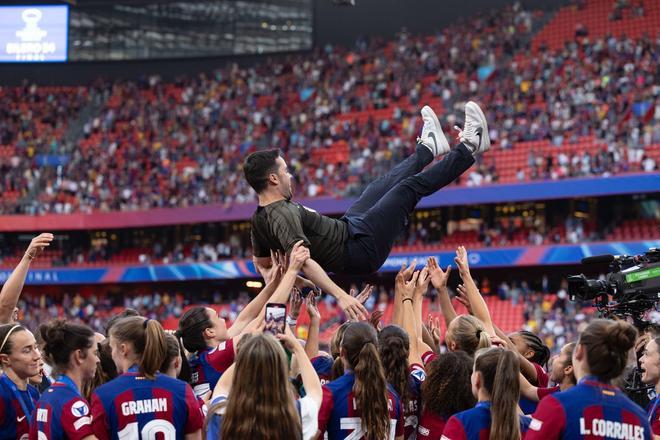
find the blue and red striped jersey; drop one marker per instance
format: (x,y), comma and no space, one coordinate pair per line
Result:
(132,406)
(474,424)
(14,421)
(340,417)
(589,410)
(61,413)
(207,366)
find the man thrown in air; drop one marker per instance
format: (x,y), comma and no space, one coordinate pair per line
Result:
(360,241)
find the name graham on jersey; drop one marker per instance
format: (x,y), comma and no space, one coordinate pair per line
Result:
(144,406)
(610,429)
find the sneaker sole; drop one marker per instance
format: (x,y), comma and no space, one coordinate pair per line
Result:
(442,143)
(486,139)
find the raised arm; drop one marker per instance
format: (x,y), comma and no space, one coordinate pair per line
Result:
(254,307)
(526,367)
(407,289)
(479,307)
(223,387)
(351,306)
(310,379)
(404,274)
(418,301)
(439,282)
(312,345)
(13,287)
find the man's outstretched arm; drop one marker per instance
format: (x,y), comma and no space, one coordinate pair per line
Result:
(351,306)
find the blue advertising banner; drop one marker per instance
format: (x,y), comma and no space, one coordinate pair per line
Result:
(240,269)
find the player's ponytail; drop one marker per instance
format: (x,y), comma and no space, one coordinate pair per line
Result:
(191,329)
(359,345)
(541,351)
(499,371)
(469,334)
(394,346)
(148,339)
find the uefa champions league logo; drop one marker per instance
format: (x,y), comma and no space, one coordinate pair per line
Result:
(36,33)
(31,32)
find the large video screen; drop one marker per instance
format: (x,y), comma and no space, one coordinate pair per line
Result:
(33,33)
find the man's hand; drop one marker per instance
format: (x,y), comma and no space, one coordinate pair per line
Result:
(438,277)
(38,244)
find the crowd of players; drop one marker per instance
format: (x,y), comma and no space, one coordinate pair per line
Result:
(406,379)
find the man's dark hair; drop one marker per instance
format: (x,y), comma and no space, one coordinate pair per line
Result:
(258,166)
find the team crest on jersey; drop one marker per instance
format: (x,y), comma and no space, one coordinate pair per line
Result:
(418,374)
(79,409)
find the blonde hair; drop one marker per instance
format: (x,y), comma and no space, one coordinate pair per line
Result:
(469,334)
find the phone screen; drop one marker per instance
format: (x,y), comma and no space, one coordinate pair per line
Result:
(275,318)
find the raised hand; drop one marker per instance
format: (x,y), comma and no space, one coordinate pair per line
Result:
(438,277)
(461,260)
(462,297)
(311,302)
(295,301)
(422,283)
(364,295)
(375,318)
(433,326)
(38,244)
(353,308)
(409,287)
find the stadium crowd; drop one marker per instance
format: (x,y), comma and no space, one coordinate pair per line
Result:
(407,378)
(154,143)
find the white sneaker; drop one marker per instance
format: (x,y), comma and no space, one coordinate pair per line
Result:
(475,131)
(432,136)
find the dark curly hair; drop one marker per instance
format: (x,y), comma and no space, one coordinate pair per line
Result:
(447,389)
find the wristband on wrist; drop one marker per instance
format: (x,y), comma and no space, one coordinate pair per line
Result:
(406,299)
(291,321)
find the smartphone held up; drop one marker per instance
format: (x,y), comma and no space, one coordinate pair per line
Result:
(275,318)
